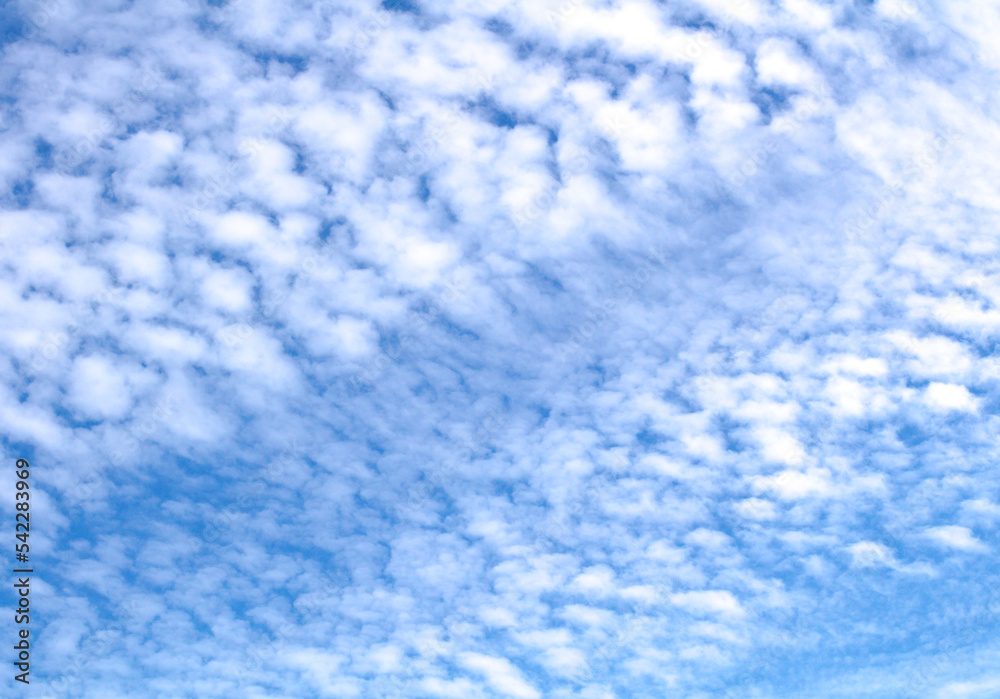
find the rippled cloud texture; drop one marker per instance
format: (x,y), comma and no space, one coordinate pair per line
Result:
(570,348)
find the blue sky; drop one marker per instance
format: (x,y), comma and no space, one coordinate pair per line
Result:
(594,349)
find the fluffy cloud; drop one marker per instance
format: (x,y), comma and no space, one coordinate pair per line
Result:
(504,349)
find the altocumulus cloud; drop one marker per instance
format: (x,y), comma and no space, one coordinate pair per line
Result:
(523,349)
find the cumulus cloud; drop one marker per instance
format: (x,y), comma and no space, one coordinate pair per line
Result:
(955,537)
(502,676)
(715,601)
(504,349)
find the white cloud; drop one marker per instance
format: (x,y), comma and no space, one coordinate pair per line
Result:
(780,447)
(978,688)
(572,347)
(720,602)
(793,485)
(779,62)
(99,388)
(597,580)
(756,509)
(501,675)
(871,554)
(942,397)
(955,537)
